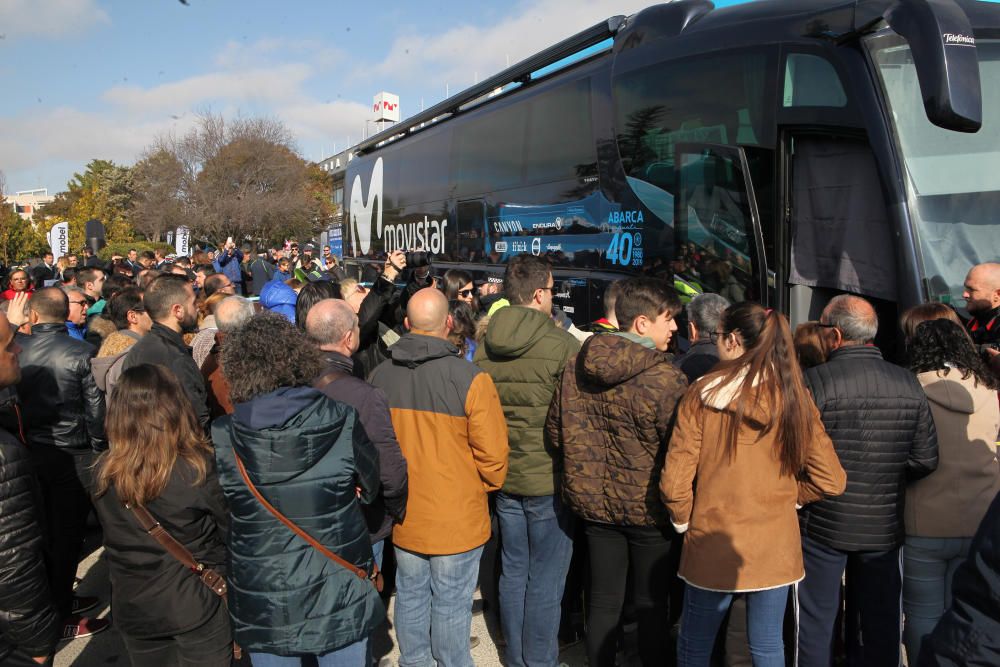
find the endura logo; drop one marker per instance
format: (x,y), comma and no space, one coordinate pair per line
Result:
(365,214)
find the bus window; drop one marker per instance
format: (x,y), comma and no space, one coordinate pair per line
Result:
(471,231)
(720,99)
(489,151)
(560,142)
(811,81)
(715,229)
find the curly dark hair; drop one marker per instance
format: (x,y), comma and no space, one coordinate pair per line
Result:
(267,353)
(936,344)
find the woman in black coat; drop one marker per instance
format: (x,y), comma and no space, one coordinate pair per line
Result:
(160,459)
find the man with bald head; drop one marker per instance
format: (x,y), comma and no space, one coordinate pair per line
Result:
(982,300)
(231,313)
(877,415)
(450,425)
(333,325)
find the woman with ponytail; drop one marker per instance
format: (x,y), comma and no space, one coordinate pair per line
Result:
(747,450)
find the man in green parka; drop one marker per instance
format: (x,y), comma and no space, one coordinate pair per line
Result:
(524,351)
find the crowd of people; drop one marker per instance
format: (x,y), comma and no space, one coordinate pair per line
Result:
(739,492)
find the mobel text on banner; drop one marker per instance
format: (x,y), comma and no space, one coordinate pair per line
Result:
(58,238)
(182,241)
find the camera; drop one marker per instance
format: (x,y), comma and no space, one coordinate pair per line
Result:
(417,258)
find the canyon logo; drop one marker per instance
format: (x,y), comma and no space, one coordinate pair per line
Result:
(366,216)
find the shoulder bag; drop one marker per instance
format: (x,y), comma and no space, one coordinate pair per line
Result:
(375,577)
(215,581)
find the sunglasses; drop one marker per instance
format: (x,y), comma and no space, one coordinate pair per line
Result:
(465,293)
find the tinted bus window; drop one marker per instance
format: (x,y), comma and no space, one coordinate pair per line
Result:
(718,99)
(560,144)
(489,150)
(811,81)
(423,169)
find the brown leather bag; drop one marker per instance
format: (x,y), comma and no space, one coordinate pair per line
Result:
(215,581)
(375,577)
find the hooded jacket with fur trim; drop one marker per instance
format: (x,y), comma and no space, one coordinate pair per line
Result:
(739,513)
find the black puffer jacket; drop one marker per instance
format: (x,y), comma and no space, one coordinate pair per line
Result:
(881,426)
(969,632)
(27,618)
(61,405)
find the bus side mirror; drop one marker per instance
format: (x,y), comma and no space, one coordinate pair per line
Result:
(944,53)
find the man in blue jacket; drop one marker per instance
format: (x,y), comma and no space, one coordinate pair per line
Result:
(228,261)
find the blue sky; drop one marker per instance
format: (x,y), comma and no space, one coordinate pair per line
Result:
(90,79)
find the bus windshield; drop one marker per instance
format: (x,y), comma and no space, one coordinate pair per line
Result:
(953,178)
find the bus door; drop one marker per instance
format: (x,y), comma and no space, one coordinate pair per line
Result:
(717,227)
(838,225)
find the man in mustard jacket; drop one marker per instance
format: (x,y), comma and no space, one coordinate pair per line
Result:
(451,429)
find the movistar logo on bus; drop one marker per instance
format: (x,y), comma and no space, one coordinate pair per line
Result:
(366,215)
(959,40)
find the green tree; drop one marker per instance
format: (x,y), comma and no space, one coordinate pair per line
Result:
(19,239)
(104,191)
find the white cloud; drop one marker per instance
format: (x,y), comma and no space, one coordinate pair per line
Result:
(30,141)
(49,18)
(286,78)
(461,54)
(263,85)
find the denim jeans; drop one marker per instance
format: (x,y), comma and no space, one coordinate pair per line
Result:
(536,549)
(703,614)
(352,655)
(928,566)
(434,607)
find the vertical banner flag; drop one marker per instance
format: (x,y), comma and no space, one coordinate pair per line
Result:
(182,241)
(59,239)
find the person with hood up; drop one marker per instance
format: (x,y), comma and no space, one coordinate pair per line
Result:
(747,449)
(611,416)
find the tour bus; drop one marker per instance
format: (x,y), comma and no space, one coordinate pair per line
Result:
(782,151)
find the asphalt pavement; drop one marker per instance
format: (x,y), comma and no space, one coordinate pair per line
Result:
(106,648)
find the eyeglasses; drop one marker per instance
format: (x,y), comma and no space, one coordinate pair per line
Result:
(549,289)
(466,293)
(77,303)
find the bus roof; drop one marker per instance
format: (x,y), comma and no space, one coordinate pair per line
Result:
(776,20)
